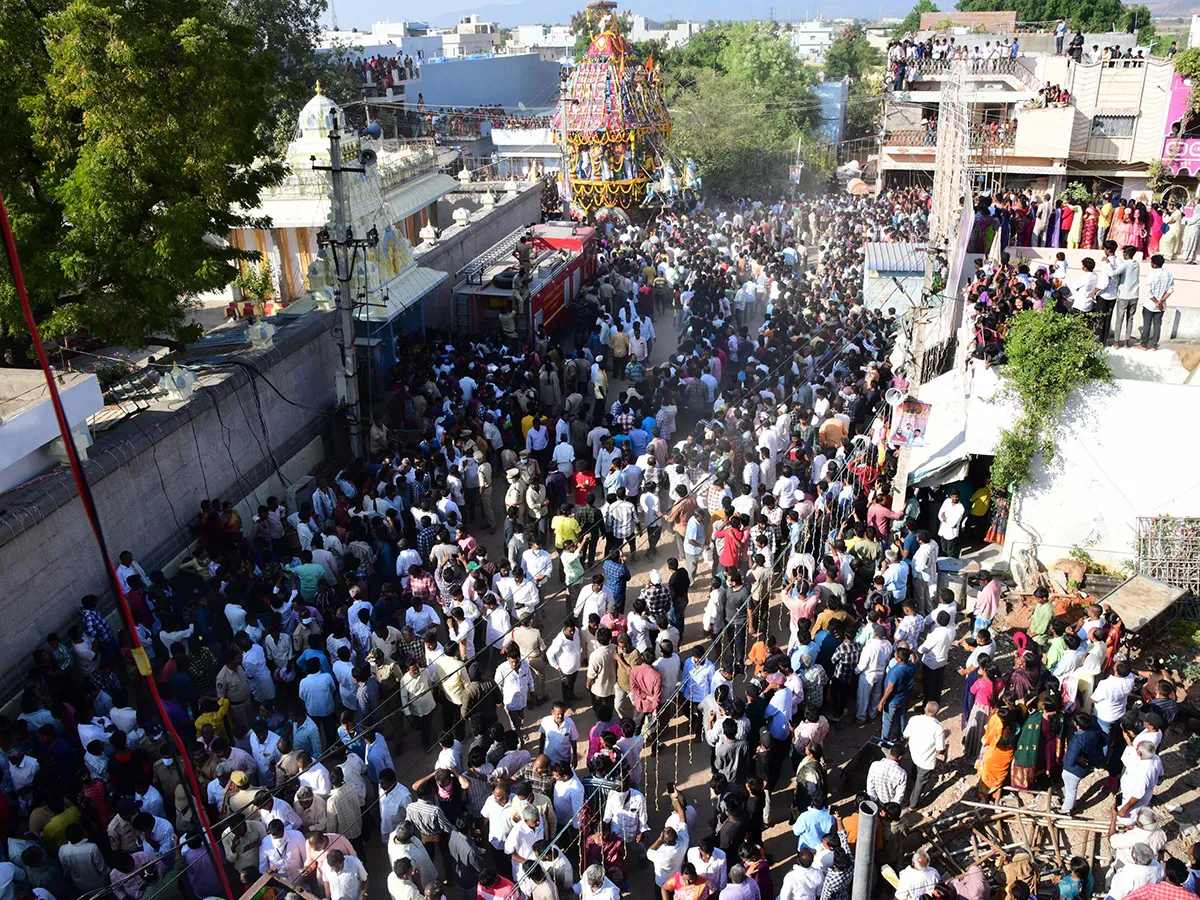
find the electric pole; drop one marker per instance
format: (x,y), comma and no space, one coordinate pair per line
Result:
(564,164)
(345,249)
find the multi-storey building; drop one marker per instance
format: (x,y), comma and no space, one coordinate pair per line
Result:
(1113,123)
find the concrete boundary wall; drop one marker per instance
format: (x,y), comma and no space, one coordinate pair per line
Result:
(148,476)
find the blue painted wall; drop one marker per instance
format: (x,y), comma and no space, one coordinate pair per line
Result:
(507,80)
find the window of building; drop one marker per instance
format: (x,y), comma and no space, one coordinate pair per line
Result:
(1112,126)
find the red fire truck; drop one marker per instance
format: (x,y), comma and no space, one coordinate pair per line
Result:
(563,259)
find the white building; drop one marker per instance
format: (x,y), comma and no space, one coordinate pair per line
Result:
(525,152)
(812,39)
(676,36)
(554,42)
(471,37)
(30,443)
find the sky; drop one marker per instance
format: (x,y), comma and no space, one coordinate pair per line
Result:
(363,13)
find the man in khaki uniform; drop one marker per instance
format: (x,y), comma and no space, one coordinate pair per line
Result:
(485,491)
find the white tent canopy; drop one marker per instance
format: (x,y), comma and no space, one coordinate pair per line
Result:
(965,421)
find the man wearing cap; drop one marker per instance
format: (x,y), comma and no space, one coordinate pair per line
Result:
(514,496)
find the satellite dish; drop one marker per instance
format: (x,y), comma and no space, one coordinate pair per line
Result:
(893,397)
(368,157)
(373,131)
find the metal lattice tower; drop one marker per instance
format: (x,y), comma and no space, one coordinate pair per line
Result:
(951,182)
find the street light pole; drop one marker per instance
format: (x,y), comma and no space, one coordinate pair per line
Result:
(345,250)
(564,155)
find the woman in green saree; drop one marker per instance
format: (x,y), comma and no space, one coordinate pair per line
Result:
(1028,752)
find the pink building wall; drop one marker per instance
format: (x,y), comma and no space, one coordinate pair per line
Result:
(1179,154)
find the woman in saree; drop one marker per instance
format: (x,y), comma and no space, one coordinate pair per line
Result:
(1139,231)
(810,781)
(1076,231)
(1027,674)
(999,746)
(1173,223)
(1091,221)
(1120,226)
(986,684)
(1154,232)
(1054,733)
(1028,751)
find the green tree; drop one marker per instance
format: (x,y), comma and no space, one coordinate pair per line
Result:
(286,33)
(1086,15)
(133,134)
(912,22)
(1050,354)
(851,54)
(740,98)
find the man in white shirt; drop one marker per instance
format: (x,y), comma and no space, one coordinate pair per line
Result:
(1085,287)
(558,735)
(564,456)
(918,878)
(951,517)
(345,877)
(926,744)
(282,852)
(935,654)
(626,812)
(595,885)
(566,655)
(1110,698)
(568,794)
(872,663)
(924,572)
(515,681)
(785,488)
(804,881)
(393,803)
(667,854)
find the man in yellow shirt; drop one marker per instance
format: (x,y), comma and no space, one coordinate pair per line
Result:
(620,350)
(565,527)
(214,713)
(1104,222)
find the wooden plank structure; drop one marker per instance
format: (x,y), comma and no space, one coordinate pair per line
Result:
(974,832)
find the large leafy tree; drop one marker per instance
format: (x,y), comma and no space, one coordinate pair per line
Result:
(740,97)
(133,135)
(850,54)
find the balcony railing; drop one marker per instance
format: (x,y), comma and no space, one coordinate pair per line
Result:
(916,69)
(982,138)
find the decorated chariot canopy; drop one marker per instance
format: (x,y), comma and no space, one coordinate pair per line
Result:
(616,125)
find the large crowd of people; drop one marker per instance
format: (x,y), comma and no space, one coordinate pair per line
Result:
(413,654)
(1032,218)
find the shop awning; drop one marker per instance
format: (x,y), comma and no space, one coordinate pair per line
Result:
(419,194)
(403,291)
